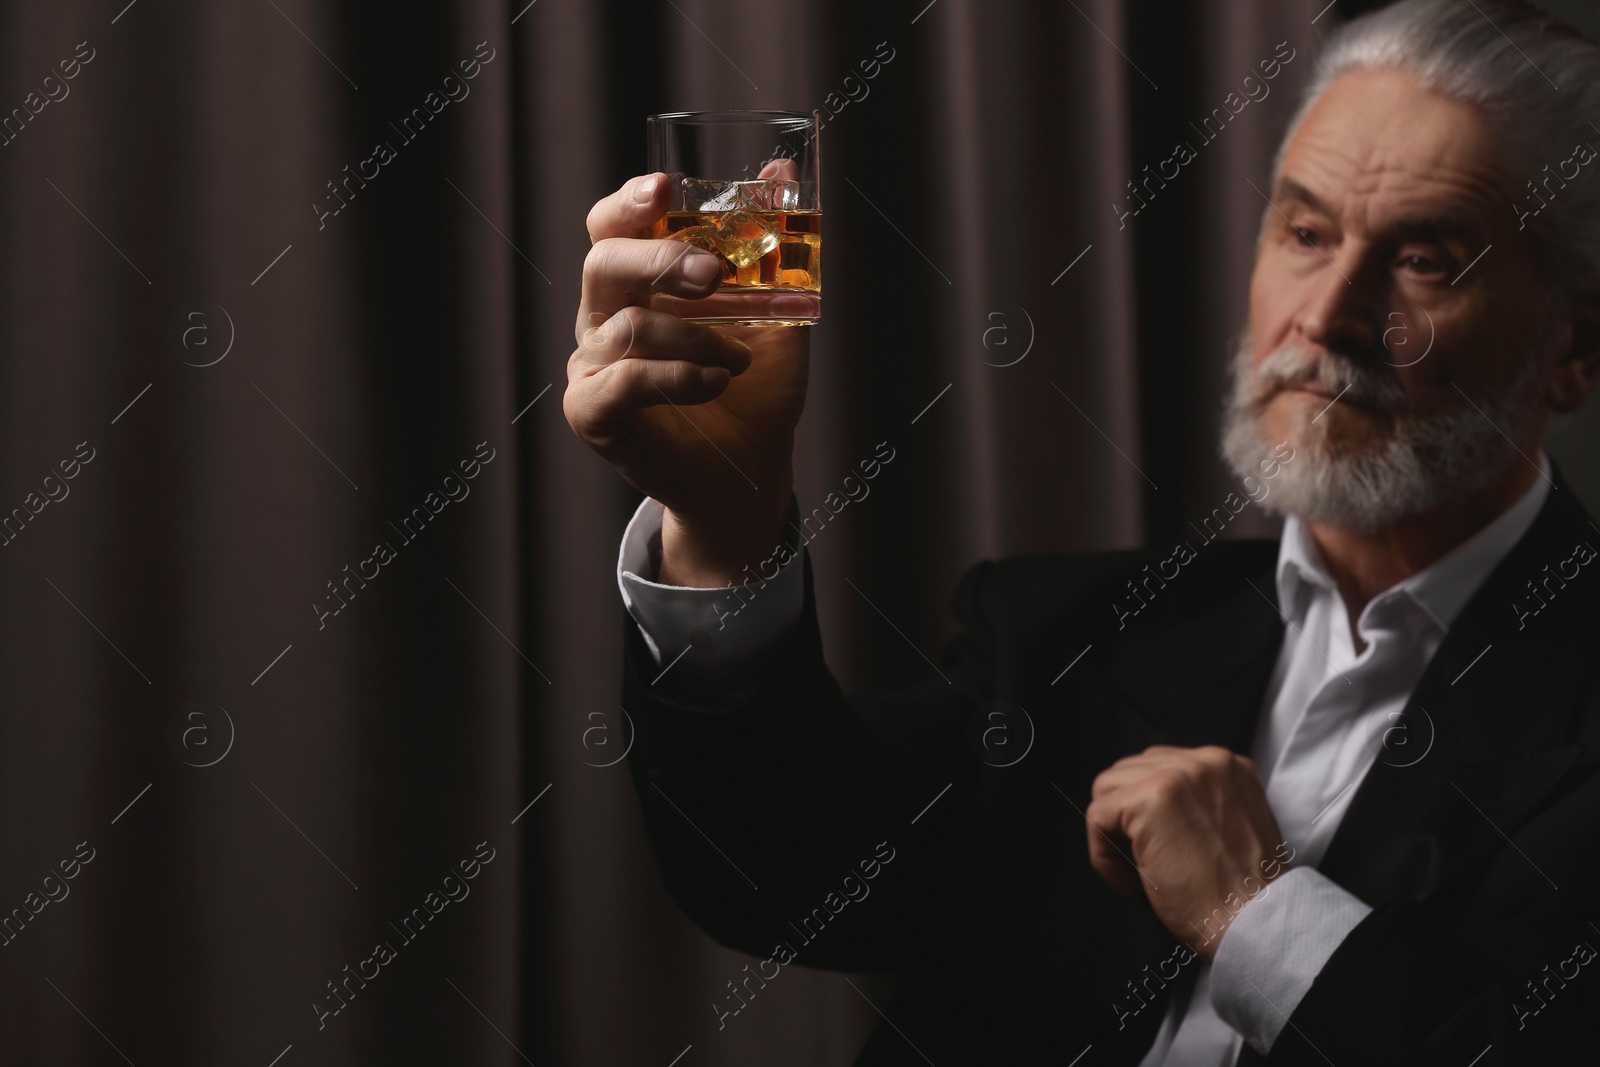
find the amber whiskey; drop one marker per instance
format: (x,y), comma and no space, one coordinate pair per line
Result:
(758,249)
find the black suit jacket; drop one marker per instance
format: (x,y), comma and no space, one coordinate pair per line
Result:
(1475,836)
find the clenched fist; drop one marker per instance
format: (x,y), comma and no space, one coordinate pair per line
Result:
(1192,828)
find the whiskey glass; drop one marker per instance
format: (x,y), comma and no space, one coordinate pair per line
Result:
(745,187)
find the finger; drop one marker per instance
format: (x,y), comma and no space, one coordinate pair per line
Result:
(1172,756)
(783,170)
(629,211)
(601,407)
(1109,850)
(1118,873)
(620,271)
(1131,769)
(639,333)
(1117,777)
(1219,756)
(1155,755)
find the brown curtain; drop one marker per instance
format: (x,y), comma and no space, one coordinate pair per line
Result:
(286,656)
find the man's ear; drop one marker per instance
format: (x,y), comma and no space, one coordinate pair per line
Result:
(1576,372)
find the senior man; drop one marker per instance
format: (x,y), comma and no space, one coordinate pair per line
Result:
(1328,799)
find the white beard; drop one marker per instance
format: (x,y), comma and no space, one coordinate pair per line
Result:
(1421,464)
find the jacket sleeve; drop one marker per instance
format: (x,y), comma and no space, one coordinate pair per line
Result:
(1410,985)
(800,808)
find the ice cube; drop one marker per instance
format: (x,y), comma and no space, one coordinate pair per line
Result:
(699,236)
(740,237)
(718,196)
(745,236)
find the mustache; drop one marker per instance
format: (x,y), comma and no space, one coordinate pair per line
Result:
(1298,363)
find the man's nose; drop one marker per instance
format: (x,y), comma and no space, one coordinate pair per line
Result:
(1341,307)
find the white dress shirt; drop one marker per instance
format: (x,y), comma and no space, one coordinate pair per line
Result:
(1329,713)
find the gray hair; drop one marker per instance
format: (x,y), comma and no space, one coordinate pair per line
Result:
(1535,79)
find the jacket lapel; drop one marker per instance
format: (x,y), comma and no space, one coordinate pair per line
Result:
(1484,729)
(1200,680)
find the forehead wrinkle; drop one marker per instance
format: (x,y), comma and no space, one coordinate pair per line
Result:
(1370,187)
(1374,154)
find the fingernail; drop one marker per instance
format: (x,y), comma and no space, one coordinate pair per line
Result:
(645,190)
(701,268)
(592,338)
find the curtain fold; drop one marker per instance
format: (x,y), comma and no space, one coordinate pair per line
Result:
(278,740)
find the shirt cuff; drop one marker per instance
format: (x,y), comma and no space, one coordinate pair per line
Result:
(1275,948)
(711,638)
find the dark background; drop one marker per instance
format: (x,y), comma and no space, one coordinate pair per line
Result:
(478,673)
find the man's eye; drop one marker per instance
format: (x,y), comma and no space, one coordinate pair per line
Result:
(1419,264)
(1305,236)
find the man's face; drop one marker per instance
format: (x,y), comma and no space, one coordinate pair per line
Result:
(1362,287)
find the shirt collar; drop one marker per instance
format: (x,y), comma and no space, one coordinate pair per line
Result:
(1442,588)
